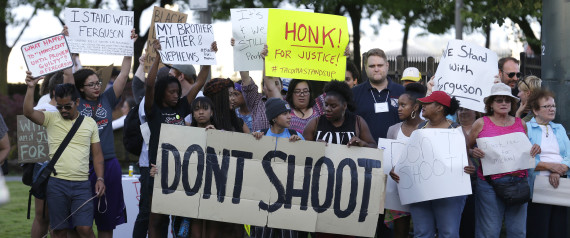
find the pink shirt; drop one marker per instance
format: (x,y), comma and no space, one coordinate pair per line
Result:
(491,130)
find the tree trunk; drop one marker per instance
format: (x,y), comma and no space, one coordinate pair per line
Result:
(4,51)
(355,13)
(407,25)
(487,29)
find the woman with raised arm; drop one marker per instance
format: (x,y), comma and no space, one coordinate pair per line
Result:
(163,104)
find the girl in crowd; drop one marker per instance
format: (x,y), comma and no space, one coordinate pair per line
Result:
(99,105)
(528,86)
(218,90)
(164,105)
(545,220)
(279,114)
(443,214)
(339,125)
(500,108)
(305,107)
(409,111)
(238,104)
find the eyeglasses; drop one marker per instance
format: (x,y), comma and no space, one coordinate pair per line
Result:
(301,93)
(502,100)
(93,85)
(512,74)
(66,107)
(548,107)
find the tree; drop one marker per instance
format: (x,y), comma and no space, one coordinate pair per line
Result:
(8,18)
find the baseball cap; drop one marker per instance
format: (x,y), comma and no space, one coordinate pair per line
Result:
(411,74)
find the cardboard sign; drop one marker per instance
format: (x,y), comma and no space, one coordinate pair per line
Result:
(505,153)
(392,152)
(98,31)
(32,141)
(306,45)
(466,71)
(232,177)
(185,43)
(545,193)
(431,166)
(160,14)
(47,55)
(249,29)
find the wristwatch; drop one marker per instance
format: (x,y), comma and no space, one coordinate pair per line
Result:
(101,179)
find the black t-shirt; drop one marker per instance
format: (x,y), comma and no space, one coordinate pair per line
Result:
(337,135)
(168,115)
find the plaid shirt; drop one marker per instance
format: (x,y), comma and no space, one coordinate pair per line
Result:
(256,106)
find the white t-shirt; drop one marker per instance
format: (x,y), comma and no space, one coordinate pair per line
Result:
(46,106)
(44,99)
(550,151)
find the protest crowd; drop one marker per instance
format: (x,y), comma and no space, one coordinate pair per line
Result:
(85,177)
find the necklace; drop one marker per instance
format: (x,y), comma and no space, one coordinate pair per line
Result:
(545,126)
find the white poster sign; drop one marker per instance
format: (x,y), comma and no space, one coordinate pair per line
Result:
(392,152)
(249,29)
(466,71)
(302,185)
(47,55)
(432,166)
(545,193)
(98,31)
(185,43)
(505,153)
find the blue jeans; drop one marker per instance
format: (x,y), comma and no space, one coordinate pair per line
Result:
(490,211)
(442,214)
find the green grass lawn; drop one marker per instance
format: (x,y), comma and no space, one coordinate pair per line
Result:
(13,222)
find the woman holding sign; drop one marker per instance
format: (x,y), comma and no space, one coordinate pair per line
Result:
(99,104)
(546,220)
(443,215)
(409,112)
(500,108)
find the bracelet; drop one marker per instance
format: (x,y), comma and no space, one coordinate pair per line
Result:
(101,179)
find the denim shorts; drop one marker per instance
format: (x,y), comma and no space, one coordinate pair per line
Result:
(63,198)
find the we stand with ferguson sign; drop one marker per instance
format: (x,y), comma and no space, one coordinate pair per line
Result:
(232,177)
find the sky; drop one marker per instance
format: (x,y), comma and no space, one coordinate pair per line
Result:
(388,38)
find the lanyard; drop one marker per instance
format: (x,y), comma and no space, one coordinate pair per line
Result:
(373,97)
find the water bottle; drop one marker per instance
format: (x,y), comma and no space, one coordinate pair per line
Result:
(130,171)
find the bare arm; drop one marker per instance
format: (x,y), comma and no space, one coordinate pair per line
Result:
(149,86)
(309,131)
(121,80)
(365,139)
(4,148)
(99,167)
(140,70)
(201,79)
(472,139)
(271,83)
(67,73)
(34,115)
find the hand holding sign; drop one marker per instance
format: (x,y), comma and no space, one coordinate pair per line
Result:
(31,81)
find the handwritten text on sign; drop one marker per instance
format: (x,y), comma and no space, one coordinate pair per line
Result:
(185,43)
(47,55)
(313,187)
(431,166)
(160,14)
(306,45)
(505,153)
(392,152)
(467,71)
(32,141)
(98,31)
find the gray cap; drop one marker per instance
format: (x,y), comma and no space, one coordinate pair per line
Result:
(186,69)
(275,106)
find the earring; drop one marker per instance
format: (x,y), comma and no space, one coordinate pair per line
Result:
(413,115)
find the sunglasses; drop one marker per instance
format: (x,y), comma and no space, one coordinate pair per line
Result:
(66,107)
(502,100)
(512,74)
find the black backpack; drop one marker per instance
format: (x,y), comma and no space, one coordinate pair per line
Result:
(132,136)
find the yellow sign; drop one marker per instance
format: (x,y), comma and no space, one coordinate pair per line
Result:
(306,45)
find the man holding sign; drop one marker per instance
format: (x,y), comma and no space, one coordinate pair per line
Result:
(490,210)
